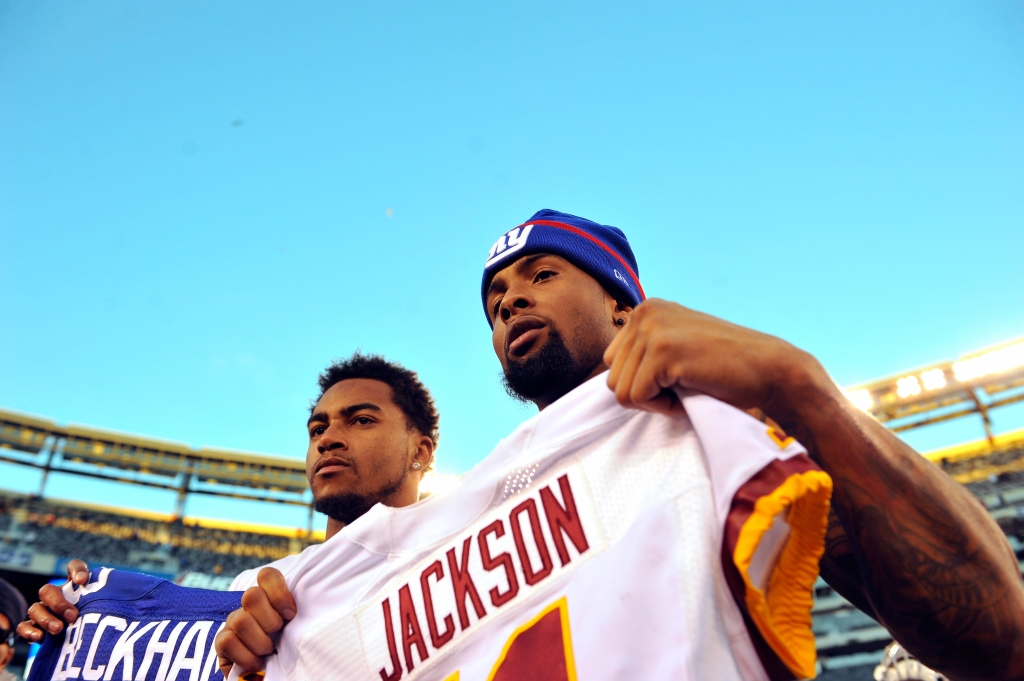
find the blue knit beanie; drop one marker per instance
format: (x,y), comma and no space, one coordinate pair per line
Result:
(599,250)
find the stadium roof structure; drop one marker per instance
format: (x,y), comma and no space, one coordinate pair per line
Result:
(974,384)
(42,443)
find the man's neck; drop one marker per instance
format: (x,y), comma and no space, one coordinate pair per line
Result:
(407,495)
(545,402)
(333,527)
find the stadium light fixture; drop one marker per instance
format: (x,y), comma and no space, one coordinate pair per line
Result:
(992,362)
(933,379)
(908,386)
(861,398)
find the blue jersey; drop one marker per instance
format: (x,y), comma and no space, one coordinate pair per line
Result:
(134,627)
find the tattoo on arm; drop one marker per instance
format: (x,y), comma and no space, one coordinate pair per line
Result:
(917,552)
(839,566)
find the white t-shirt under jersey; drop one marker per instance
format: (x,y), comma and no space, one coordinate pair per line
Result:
(594,542)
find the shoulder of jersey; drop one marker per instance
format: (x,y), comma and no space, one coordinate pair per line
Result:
(137,588)
(118,585)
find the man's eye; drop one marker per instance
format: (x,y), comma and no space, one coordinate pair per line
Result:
(495,306)
(319,430)
(364,420)
(543,274)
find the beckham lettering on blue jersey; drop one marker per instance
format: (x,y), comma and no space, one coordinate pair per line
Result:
(134,627)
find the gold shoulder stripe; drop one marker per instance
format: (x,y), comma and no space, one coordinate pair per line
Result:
(782,613)
(782,443)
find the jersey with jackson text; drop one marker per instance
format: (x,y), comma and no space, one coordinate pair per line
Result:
(595,542)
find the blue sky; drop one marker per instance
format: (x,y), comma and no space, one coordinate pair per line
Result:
(194,197)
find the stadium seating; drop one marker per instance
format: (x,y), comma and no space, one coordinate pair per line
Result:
(151,543)
(849,642)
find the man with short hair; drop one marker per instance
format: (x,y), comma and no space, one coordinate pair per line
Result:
(372,434)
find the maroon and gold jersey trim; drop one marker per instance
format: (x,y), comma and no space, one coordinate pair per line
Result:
(797,491)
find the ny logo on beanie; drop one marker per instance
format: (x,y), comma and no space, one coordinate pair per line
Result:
(512,241)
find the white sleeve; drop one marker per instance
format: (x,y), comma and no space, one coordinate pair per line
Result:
(245,579)
(772,503)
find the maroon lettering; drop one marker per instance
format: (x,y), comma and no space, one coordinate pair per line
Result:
(412,634)
(565,519)
(389,631)
(428,605)
(532,577)
(497,528)
(462,584)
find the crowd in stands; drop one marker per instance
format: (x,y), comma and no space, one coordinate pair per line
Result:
(101,537)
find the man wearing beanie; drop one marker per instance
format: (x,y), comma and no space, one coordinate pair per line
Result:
(12,611)
(905,543)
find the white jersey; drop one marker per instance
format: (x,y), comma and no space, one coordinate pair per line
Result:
(595,542)
(247,578)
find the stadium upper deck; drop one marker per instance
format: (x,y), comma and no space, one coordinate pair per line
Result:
(79,450)
(977,383)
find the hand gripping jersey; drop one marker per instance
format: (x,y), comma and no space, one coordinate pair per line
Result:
(595,542)
(136,627)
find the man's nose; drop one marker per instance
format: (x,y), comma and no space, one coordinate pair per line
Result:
(514,303)
(331,440)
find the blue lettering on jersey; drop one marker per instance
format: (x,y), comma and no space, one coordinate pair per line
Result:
(134,627)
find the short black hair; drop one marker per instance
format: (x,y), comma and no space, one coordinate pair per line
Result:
(407,391)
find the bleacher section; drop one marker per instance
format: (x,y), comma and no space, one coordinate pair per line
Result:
(849,642)
(40,535)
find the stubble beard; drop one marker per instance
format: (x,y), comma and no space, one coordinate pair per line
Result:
(347,507)
(546,376)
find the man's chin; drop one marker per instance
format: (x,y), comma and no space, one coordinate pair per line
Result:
(330,487)
(545,373)
(532,350)
(345,507)
(519,360)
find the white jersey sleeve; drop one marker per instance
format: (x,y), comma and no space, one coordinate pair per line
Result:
(772,502)
(247,578)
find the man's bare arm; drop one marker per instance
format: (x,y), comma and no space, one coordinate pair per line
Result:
(912,547)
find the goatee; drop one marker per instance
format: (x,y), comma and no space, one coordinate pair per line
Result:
(547,375)
(347,507)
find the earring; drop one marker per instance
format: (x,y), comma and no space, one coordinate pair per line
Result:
(415,465)
(620,322)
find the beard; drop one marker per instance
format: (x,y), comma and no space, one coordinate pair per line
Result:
(346,507)
(546,376)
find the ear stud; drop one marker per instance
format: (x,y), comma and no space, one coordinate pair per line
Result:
(415,465)
(620,322)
